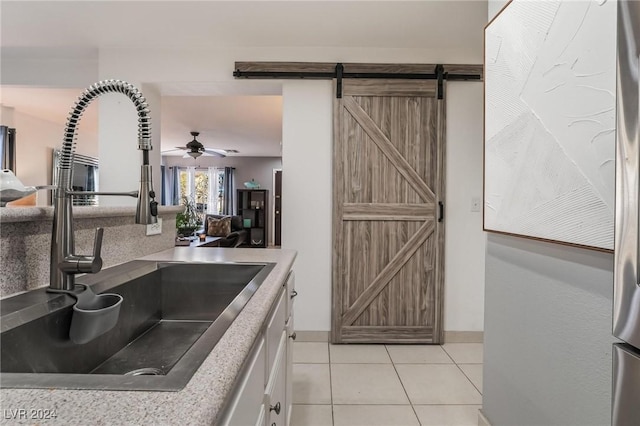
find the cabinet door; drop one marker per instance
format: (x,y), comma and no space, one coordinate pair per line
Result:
(262,417)
(246,405)
(289,372)
(275,328)
(276,388)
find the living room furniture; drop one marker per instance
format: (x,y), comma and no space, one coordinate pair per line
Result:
(236,237)
(253,207)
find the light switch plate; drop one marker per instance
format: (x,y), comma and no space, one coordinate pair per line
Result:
(155,228)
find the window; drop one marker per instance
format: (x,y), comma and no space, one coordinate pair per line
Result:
(204,186)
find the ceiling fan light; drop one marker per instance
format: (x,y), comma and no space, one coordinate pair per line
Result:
(194,154)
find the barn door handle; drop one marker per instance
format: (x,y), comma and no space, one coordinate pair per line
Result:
(441,211)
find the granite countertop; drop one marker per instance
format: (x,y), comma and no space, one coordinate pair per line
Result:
(26,214)
(202,398)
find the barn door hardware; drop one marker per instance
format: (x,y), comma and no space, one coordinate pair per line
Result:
(440,75)
(340,71)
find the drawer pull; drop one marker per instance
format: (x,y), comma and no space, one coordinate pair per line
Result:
(294,294)
(275,408)
(293,336)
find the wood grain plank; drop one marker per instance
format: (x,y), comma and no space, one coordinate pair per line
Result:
(388,211)
(438,303)
(389,150)
(337,224)
(388,87)
(387,273)
(286,66)
(395,334)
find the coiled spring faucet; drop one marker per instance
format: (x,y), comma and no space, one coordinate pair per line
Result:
(64,263)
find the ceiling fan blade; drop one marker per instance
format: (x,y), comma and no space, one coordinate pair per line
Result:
(215,152)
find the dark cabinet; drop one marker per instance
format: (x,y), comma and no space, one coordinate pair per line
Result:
(253,206)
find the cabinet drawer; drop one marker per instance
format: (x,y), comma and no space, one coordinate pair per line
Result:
(245,405)
(274,329)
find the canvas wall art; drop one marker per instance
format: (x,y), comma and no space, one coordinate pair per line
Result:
(550,121)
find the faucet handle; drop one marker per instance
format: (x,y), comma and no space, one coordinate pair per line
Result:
(92,264)
(75,264)
(97,248)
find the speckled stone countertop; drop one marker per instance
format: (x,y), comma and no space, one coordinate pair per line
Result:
(200,402)
(27,214)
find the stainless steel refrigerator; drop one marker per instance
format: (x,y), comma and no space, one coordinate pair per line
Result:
(626,303)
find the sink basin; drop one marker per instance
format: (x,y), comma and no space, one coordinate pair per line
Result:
(172,316)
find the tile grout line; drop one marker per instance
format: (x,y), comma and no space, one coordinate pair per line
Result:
(469,379)
(333,420)
(462,371)
(402,384)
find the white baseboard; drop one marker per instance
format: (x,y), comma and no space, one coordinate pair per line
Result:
(449,336)
(482,419)
(463,336)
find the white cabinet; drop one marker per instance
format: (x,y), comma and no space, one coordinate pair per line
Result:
(291,336)
(245,407)
(263,392)
(275,393)
(278,393)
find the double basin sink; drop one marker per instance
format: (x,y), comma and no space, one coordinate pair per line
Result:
(171,317)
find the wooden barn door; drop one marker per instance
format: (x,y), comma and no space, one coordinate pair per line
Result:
(388,245)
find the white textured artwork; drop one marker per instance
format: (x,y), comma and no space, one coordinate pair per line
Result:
(550,121)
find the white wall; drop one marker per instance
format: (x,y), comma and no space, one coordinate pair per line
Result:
(49,66)
(120,159)
(36,139)
(307,133)
(464,238)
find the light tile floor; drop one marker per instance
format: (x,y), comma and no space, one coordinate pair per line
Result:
(386,385)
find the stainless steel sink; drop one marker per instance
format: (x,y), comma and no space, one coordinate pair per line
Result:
(172,316)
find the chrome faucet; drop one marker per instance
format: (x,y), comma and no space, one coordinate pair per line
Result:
(64,263)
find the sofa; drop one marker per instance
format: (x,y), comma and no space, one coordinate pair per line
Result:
(237,235)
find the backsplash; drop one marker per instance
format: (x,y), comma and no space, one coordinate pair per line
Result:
(25,239)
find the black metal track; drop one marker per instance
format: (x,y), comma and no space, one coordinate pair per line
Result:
(339,75)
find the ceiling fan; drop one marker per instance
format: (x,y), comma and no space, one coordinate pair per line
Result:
(195,149)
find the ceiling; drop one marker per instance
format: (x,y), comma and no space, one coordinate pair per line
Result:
(251,124)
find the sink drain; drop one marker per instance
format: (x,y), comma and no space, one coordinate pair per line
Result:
(150,371)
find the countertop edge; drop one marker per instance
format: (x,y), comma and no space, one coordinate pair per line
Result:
(28,214)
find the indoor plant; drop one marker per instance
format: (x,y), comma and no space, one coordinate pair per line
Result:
(188,221)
